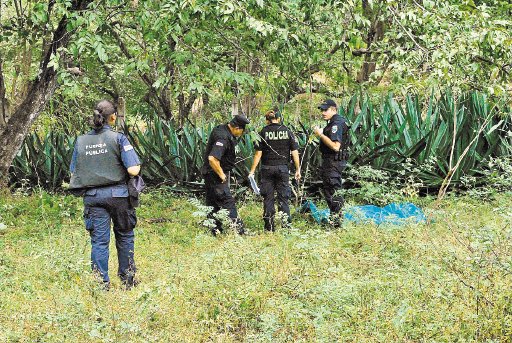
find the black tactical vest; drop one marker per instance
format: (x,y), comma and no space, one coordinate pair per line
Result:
(275,145)
(328,153)
(98,161)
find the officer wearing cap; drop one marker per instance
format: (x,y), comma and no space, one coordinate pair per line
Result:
(333,140)
(102,162)
(219,160)
(275,144)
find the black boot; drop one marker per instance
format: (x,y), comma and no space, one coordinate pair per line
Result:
(269,224)
(217,229)
(239,226)
(336,220)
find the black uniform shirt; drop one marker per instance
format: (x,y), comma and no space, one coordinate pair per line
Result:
(276,142)
(333,130)
(221,145)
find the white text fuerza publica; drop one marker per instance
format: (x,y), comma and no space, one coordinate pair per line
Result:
(99,149)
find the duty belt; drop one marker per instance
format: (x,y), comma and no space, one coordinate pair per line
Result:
(338,156)
(332,157)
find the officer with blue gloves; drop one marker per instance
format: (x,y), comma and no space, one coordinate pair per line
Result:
(102,162)
(333,146)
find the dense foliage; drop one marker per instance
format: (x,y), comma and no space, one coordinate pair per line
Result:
(190,61)
(232,55)
(411,140)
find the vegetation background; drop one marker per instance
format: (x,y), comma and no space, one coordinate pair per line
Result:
(196,61)
(426,86)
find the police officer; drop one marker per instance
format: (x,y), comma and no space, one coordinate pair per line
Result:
(219,160)
(275,143)
(333,148)
(101,164)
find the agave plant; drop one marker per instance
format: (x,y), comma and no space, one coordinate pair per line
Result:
(168,153)
(387,136)
(43,161)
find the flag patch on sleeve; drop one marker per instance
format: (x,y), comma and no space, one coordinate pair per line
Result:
(128,147)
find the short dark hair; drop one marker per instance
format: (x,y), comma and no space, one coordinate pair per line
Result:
(273,114)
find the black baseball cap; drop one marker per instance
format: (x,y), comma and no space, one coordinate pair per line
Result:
(326,104)
(239,121)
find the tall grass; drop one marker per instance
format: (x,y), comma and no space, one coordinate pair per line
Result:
(446,281)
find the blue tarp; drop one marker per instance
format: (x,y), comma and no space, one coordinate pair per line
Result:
(394,213)
(321,216)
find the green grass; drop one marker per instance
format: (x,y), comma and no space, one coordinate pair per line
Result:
(449,280)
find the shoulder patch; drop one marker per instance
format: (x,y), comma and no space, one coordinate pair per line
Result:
(128,147)
(219,144)
(334,128)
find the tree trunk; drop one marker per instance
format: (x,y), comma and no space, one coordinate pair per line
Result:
(40,91)
(13,134)
(375,34)
(185,107)
(121,113)
(4,109)
(26,63)
(250,101)
(234,89)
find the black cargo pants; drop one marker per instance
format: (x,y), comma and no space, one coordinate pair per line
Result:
(219,197)
(331,182)
(275,179)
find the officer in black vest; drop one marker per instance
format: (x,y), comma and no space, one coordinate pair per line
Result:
(275,143)
(333,157)
(101,164)
(219,160)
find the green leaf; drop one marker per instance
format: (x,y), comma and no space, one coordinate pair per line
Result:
(495,127)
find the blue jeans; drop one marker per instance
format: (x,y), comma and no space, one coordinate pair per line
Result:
(101,206)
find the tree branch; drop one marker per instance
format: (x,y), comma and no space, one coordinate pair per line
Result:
(41,90)
(503,67)
(405,30)
(162,98)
